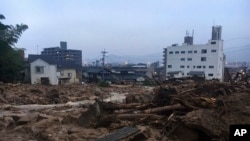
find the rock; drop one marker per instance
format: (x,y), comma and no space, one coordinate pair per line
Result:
(9,122)
(25,119)
(98,92)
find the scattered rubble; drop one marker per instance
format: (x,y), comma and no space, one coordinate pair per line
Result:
(174,112)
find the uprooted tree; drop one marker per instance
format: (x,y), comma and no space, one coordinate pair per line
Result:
(11,62)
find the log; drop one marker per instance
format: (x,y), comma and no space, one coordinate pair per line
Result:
(136,116)
(185,104)
(164,108)
(113,106)
(39,107)
(187,91)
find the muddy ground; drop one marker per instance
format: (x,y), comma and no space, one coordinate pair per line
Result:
(175,112)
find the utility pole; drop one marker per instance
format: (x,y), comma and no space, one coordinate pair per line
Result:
(103,61)
(37,49)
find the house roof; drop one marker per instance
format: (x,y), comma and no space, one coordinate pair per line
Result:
(68,64)
(47,58)
(51,60)
(94,69)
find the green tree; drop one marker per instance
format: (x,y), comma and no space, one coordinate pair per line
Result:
(11,62)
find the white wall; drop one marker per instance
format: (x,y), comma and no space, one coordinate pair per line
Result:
(71,79)
(50,71)
(212,59)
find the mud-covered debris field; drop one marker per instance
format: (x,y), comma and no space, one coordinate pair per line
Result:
(173,112)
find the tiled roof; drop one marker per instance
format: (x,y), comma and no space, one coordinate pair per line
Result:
(51,60)
(47,58)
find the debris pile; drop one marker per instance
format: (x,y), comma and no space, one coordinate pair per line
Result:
(205,111)
(174,112)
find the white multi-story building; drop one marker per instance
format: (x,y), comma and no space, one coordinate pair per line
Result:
(205,60)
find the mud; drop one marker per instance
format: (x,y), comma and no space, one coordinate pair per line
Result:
(174,112)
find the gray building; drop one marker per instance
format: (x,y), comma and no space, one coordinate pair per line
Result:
(63,54)
(114,74)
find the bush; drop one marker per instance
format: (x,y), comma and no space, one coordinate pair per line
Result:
(103,84)
(149,83)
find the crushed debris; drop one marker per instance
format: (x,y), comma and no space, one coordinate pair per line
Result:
(174,112)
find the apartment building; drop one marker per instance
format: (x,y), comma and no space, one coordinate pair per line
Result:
(63,54)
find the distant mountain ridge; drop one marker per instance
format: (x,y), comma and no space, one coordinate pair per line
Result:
(237,55)
(135,59)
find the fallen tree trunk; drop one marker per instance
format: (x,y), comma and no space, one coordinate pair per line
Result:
(187,91)
(39,107)
(136,116)
(185,104)
(164,108)
(113,106)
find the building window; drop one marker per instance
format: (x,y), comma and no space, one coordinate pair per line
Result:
(210,74)
(187,66)
(182,66)
(182,52)
(195,51)
(187,73)
(213,50)
(182,59)
(190,51)
(39,69)
(203,51)
(193,66)
(198,67)
(211,67)
(170,52)
(204,67)
(189,59)
(203,58)
(176,52)
(62,72)
(69,74)
(213,43)
(169,66)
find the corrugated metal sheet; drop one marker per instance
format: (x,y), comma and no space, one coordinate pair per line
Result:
(120,134)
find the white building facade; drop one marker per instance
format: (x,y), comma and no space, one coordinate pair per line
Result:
(40,69)
(206,60)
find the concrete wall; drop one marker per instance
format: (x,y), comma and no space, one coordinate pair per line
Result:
(50,71)
(180,62)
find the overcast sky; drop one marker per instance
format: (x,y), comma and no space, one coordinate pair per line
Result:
(127,27)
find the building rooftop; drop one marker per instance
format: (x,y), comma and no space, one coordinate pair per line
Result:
(47,58)
(51,60)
